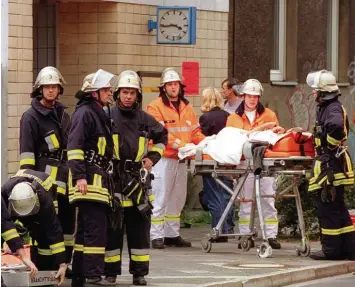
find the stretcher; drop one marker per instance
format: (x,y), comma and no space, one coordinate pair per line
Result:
(293,167)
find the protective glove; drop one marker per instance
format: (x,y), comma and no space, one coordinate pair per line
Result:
(60,276)
(328,193)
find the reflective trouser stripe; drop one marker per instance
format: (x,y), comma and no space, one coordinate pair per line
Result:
(94,250)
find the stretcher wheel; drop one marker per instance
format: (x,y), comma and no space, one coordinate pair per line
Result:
(245,244)
(206,246)
(264,250)
(304,251)
(255,235)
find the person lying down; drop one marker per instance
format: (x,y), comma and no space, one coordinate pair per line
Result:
(226,147)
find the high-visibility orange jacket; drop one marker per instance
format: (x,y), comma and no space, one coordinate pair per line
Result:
(182,125)
(240,120)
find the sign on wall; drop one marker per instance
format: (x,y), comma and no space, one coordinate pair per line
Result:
(191,75)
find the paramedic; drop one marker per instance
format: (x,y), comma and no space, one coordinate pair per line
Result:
(332,170)
(29,198)
(214,119)
(177,115)
(90,151)
(250,115)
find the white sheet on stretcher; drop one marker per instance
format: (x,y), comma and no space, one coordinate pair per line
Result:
(227,146)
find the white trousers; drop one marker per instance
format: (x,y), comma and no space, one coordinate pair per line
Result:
(267,206)
(169,189)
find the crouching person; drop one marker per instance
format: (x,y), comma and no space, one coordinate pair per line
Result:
(29,196)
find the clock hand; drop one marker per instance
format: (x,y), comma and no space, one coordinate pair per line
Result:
(171,25)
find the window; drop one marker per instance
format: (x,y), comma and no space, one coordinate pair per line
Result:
(332,39)
(277,73)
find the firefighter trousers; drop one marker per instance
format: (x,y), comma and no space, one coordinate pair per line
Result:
(90,239)
(267,206)
(337,230)
(66,215)
(137,226)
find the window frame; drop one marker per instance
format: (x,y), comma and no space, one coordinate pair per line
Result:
(279,75)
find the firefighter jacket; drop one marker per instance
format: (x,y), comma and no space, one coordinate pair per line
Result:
(8,229)
(44,227)
(132,131)
(43,141)
(333,164)
(240,120)
(90,151)
(182,124)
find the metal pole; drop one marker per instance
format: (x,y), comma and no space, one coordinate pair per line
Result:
(4,80)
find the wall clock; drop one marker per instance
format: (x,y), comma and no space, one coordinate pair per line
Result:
(175,25)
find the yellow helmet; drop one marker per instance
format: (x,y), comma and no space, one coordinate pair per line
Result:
(170,75)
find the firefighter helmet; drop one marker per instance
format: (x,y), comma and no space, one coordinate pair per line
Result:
(129,79)
(170,75)
(96,81)
(323,81)
(252,87)
(23,201)
(48,76)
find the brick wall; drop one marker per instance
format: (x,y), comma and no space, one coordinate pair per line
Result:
(20,59)
(115,37)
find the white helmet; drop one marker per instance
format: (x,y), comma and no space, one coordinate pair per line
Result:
(170,75)
(252,87)
(323,81)
(48,76)
(129,79)
(23,201)
(96,81)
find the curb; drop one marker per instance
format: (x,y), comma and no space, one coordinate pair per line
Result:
(292,276)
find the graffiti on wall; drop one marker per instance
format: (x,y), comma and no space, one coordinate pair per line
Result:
(351,105)
(302,109)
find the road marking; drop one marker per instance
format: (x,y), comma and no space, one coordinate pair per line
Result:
(195,271)
(262,265)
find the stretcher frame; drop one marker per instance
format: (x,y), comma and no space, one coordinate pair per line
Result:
(295,167)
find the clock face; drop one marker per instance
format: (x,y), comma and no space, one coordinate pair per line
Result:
(173,24)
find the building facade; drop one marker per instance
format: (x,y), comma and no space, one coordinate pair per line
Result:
(275,41)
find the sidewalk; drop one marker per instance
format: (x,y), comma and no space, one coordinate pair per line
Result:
(225,265)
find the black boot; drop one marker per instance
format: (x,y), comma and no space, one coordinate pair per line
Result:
(318,255)
(158,243)
(274,243)
(77,281)
(139,280)
(177,242)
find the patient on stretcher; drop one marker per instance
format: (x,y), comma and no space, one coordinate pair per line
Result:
(227,146)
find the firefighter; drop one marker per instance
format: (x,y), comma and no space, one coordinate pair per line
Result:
(133,129)
(332,170)
(44,131)
(10,235)
(251,114)
(90,151)
(175,113)
(29,197)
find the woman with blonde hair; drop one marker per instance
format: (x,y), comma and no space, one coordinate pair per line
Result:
(214,119)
